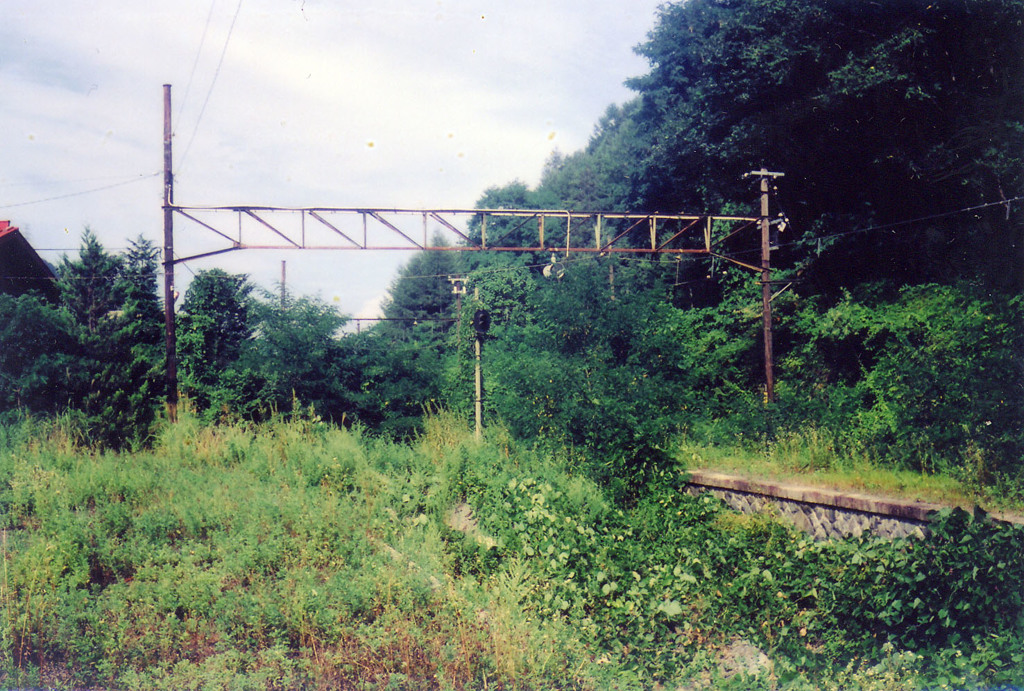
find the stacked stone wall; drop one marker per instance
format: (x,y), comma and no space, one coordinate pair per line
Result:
(824,514)
(821,522)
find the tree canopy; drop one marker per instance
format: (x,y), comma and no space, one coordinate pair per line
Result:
(900,132)
(877,113)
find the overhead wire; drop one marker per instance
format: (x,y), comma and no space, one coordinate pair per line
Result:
(141,177)
(899,224)
(500,269)
(944,214)
(213,83)
(195,63)
(51,183)
(133,179)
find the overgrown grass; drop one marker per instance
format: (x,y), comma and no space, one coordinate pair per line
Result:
(291,555)
(297,555)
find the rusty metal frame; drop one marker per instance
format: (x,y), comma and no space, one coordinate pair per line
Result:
(667,232)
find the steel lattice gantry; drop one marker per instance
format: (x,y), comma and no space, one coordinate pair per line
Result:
(230,228)
(233,228)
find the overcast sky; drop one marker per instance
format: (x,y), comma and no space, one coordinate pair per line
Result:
(386,103)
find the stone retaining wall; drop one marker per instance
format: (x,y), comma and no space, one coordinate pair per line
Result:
(823,513)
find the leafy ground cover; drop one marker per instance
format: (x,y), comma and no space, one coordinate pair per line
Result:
(294,554)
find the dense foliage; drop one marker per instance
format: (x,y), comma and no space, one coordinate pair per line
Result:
(929,377)
(900,336)
(899,344)
(293,554)
(96,352)
(878,113)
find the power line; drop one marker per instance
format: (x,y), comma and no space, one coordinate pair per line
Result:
(887,226)
(402,319)
(899,224)
(76,249)
(195,63)
(52,182)
(213,82)
(137,178)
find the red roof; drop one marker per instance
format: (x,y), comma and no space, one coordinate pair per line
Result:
(21,268)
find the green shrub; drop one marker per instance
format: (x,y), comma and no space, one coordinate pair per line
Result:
(295,554)
(961,583)
(928,380)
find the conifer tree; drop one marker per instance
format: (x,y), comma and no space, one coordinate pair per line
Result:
(112,303)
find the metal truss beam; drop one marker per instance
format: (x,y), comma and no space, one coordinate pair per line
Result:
(557,230)
(462,230)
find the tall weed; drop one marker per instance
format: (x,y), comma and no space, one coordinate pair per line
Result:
(297,555)
(286,555)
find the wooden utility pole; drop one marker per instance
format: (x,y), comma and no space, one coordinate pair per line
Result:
(478,405)
(170,339)
(766,284)
(481,321)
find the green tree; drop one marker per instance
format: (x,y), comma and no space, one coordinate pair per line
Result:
(869,110)
(297,352)
(508,232)
(930,378)
(36,355)
(141,306)
(391,382)
(215,323)
(603,175)
(401,360)
(112,302)
(137,342)
(420,301)
(90,287)
(583,373)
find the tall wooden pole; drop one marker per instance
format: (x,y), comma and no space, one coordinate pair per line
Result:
(170,341)
(766,284)
(478,408)
(766,294)
(478,377)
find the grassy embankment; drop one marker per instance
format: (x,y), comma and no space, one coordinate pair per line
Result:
(297,555)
